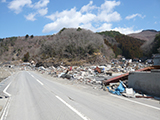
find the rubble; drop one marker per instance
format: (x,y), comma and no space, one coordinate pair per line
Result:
(112,77)
(93,75)
(119,90)
(97,75)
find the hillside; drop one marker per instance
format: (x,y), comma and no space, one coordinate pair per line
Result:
(124,45)
(147,35)
(14,48)
(156,44)
(77,46)
(109,36)
(152,47)
(130,46)
(69,45)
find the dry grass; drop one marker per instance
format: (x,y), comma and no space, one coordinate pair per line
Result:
(75,63)
(5,72)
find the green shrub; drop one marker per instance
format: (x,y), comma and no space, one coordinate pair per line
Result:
(26,57)
(26,36)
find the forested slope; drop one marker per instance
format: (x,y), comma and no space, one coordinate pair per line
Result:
(76,45)
(124,45)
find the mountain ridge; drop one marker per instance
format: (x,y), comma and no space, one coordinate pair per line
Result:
(73,44)
(146,35)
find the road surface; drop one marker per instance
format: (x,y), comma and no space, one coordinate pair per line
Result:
(32,97)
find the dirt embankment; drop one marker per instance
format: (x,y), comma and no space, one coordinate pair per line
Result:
(5,72)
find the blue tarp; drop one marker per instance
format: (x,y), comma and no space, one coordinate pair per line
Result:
(118,90)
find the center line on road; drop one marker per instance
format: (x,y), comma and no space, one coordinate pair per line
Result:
(73,109)
(36,79)
(39,81)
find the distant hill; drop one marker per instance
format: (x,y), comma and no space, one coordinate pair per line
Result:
(68,45)
(110,36)
(156,44)
(77,46)
(14,48)
(152,46)
(111,33)
(124,45)
(147,35)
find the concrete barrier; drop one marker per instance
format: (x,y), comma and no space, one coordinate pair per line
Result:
(146,82)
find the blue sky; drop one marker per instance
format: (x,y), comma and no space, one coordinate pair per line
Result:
(46,17)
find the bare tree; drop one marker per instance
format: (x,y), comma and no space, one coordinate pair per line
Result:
(73,43)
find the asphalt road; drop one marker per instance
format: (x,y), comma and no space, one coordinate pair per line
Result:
(33,97)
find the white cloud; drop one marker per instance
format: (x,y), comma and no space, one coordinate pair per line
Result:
(108,6)
(30,17)
(43,11)
(41,4)
(88,26)
(17,5)
(68,18)
(133,16)
(104,27)
(88,7)
(67,13)
(126,30)
(39,7)
(85,17)
(111,17)
(106,12)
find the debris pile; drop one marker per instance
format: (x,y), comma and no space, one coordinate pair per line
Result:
(93,75)
(98,76)
(87,75)
(101,76)
(121,88)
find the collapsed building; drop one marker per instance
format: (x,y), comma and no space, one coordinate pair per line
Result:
(145,80)
(123,72)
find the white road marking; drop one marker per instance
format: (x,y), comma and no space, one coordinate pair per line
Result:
(6,89)
(5,111)
(136,102)
(36,79)
(73,109)
(39,81)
